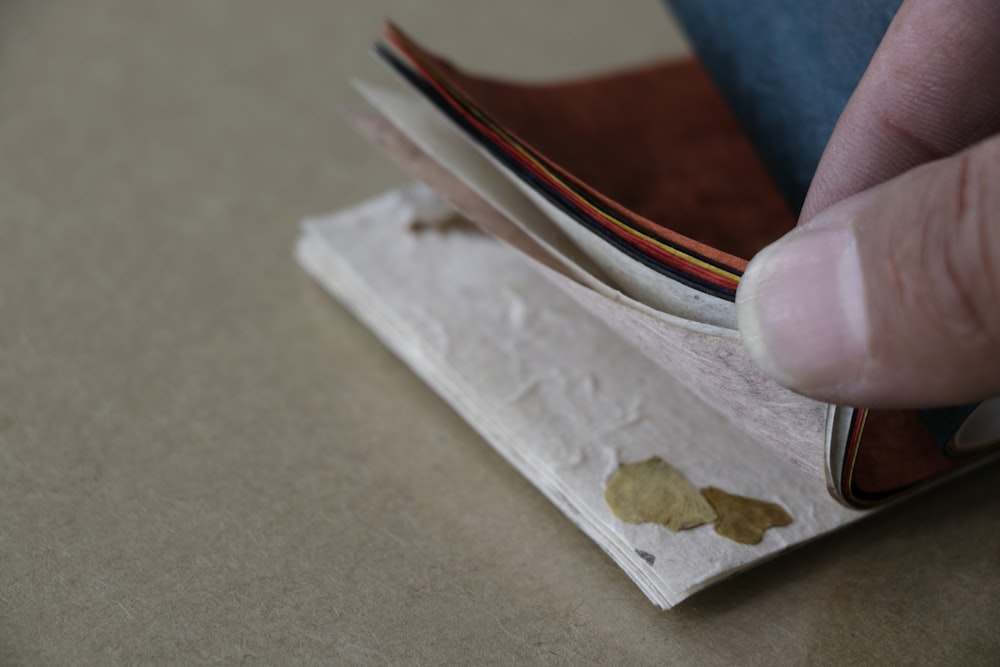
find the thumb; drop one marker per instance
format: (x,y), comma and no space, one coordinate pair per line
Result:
(890,298)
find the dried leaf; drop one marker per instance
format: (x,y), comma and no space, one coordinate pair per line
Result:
(653,491)
(445,225)
(743,519)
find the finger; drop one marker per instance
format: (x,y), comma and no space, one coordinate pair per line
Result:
(932,89)
(890,298)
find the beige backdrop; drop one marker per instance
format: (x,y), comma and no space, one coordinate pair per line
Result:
(203,460)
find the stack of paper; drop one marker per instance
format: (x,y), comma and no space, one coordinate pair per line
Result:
(558,394)
(628,206)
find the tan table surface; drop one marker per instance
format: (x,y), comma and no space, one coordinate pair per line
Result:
(204,460)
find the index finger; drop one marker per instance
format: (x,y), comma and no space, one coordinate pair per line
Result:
(932,89)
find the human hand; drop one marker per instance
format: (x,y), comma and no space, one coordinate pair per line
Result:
(887,294)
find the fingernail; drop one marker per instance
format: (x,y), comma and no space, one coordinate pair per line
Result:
(801,309)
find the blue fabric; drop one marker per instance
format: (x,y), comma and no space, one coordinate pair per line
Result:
(786,68)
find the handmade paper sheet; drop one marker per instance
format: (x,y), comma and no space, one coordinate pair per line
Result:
(560,396)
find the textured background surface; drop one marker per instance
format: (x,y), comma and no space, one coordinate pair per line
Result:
(204,460)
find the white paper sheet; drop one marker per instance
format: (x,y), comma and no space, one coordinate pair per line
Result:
(560,396)
(708,359)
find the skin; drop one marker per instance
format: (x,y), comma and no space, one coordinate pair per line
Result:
(904,212)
